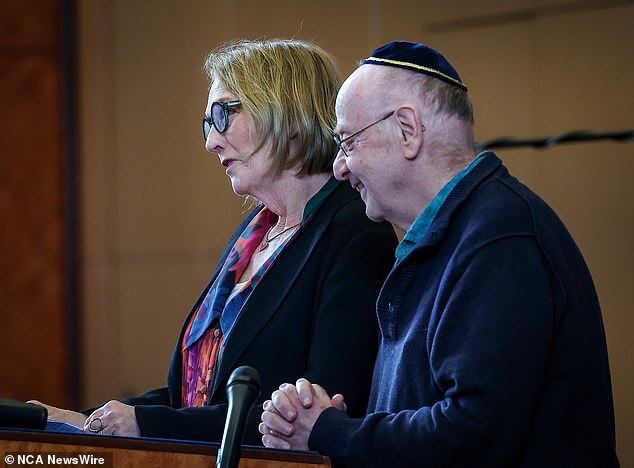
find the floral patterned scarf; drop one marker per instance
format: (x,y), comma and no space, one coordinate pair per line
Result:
(216,315)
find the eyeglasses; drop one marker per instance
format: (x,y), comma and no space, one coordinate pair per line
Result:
(219,117)
(341,143)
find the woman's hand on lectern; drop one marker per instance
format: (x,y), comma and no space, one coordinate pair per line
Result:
(113,418)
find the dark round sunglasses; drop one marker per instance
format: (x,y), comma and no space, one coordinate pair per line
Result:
(219,117)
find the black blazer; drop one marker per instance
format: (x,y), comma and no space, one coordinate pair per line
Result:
(312,315)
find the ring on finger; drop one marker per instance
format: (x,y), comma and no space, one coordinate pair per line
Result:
(96,429)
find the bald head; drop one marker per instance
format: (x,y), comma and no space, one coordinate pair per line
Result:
(401,161)
(356,90)
(445,110)
(374,87)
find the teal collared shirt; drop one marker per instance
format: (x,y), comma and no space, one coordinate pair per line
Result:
(419,228)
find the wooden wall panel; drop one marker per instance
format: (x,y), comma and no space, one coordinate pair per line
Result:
(33,314)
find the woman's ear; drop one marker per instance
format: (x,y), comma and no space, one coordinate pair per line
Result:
(411,130)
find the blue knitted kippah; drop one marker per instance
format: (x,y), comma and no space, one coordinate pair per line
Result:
(416,57)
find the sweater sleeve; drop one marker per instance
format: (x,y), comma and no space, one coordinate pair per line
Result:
(487,346)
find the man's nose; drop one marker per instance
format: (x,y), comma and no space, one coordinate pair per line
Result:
(339,167)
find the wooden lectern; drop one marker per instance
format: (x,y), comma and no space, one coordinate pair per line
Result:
(148,453)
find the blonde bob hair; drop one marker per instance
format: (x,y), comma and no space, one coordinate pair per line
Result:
(288,90)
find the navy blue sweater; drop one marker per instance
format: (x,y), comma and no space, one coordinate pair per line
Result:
(492,346)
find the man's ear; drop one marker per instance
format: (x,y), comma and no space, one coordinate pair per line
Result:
(411,129)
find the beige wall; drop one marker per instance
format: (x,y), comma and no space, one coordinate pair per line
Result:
(157,209)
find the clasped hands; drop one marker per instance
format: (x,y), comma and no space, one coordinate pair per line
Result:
(290,414)
(113,418)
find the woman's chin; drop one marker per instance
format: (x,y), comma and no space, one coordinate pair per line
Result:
(238,188)
(238,191)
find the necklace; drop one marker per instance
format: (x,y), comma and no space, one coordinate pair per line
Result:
(265,242)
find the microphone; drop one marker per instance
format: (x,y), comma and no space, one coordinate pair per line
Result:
(243,388)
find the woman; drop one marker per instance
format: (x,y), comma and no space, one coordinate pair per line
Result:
(293,294)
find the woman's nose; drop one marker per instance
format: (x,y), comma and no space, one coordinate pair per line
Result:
(214,141)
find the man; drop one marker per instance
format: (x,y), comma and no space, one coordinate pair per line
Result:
(492,344)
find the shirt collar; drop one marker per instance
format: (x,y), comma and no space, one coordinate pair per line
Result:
(320,196)
(421,225)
